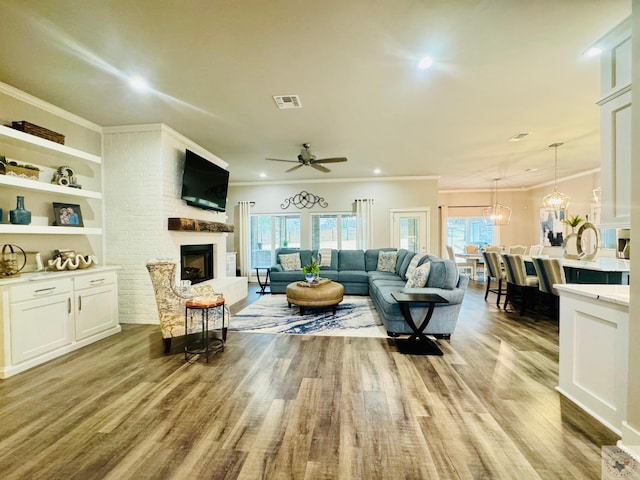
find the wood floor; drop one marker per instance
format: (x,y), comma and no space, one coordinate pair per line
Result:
(304,407)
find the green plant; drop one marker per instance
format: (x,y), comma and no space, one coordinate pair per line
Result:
(573,221)
(312,268)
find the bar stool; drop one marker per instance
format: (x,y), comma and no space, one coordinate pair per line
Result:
(206,344)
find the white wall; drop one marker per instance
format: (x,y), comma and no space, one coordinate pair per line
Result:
(340,196)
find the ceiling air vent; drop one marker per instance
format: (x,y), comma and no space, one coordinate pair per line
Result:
(287,101)
(519,136)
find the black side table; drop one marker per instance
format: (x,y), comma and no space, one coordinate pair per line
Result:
(263,283)
(418,343)
(204,345)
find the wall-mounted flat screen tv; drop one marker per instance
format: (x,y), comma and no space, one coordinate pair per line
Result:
(204,184)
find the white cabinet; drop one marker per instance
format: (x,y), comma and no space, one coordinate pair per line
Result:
(615,127)
(47,315)
(41,318)
(96,304)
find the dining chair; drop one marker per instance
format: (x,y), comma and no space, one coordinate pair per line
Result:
(535,250)
(460,264)
(517,250)
(492,248)
(520,286)
(550,273)
(494,272)
(470,248)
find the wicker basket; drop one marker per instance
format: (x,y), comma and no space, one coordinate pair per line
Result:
(10,260)
(6,169)
(38,131)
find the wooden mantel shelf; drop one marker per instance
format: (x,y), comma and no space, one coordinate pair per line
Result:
(193,225)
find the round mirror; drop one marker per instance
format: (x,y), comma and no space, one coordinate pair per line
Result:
(588,241)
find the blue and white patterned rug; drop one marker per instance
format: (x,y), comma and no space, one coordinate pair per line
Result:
(355,317)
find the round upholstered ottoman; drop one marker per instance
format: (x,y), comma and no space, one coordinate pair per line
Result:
(328,293)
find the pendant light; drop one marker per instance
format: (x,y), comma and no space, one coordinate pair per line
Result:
(556,200)
(497,214)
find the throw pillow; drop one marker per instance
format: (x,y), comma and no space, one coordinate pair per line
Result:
(290,261)
(325,257)
(419,276)
(413,265)
(387,261)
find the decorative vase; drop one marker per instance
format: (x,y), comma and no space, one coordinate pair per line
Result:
(309,277)
(20,216)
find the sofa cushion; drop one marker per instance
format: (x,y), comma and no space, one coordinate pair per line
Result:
(353,276)
(371,257)
(443,274)
(418,278)
(351,260)
(413,264)
(376,275)
(305,255)
(333,259)
(290,261)
(405,264)
(400,258)
(387,262)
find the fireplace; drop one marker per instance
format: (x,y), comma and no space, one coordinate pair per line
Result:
(197,262)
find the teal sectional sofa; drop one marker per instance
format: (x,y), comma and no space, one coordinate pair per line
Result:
(357,271)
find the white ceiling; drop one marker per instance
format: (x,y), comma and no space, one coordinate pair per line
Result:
(501,67)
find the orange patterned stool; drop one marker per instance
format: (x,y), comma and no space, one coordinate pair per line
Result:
(205,344)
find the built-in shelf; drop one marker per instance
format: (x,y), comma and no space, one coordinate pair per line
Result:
(21,139)
(22,183)
(48,230)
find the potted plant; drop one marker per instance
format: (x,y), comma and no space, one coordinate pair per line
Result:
(311,271)
(573,222)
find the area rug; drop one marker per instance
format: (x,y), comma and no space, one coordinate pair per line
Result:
(355,317)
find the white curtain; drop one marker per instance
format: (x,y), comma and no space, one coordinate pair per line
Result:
(244,229)
(364,228)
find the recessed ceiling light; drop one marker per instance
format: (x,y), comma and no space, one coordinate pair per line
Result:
(425,62)
(376,171)
(534,169)
(592,52)
(138,83)
(263,175)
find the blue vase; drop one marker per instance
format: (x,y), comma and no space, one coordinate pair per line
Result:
(20,216)
(309,277)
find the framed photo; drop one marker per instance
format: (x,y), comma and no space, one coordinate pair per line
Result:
(67,215)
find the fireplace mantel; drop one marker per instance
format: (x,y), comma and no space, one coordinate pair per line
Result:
(192,225)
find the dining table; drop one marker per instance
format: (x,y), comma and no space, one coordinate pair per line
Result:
(474,259)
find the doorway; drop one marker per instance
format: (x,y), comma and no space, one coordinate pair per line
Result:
(410,229)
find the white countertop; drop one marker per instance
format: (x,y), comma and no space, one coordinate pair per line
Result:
(618,294)
(601,264)
(53,274)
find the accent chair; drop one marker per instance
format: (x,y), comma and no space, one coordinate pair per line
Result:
(170,301)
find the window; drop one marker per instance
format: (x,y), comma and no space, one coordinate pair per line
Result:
(333,231)
(463,231)
(269,232)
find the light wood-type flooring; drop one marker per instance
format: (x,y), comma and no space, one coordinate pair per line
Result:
(304,407)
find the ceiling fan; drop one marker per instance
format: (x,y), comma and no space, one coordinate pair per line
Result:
(306,158)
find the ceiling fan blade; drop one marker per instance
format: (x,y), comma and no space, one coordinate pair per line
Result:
(294,168)
(330,160)
(280,160)
(320,167)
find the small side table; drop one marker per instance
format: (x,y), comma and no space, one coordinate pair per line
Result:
(204,345)
(263,283)
(418,343)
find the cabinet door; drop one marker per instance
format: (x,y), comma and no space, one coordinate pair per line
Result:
(40,326)
(616,162)
(96,310)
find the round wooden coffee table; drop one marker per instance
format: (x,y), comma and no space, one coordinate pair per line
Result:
(325,294)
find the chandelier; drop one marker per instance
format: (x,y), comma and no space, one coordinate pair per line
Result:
(556,200)
(497,214)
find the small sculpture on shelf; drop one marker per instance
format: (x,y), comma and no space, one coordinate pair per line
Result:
(70,260)
(66,177)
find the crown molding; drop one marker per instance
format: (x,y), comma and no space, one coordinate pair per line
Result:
(335,180)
